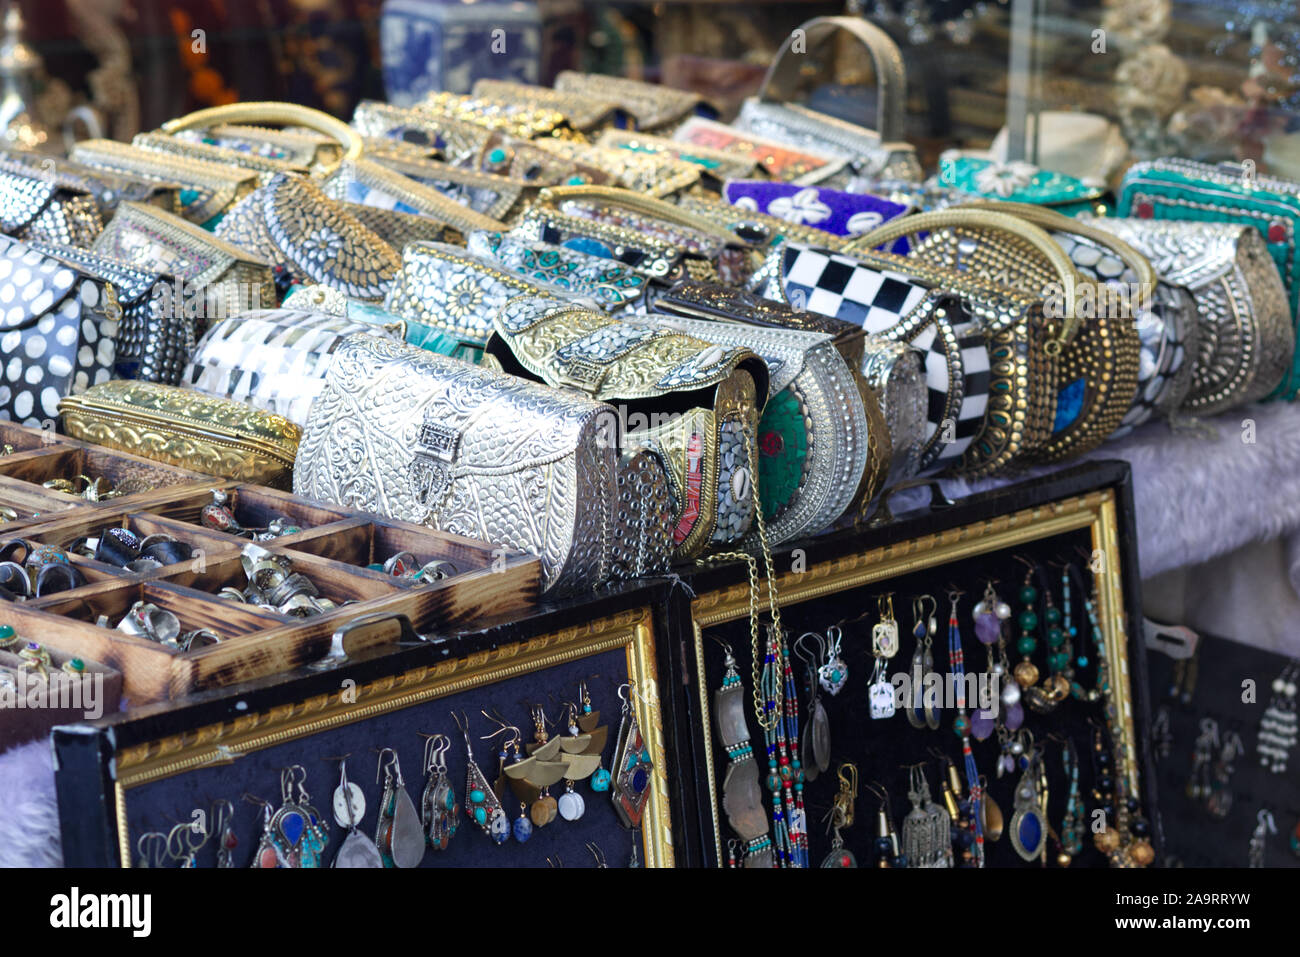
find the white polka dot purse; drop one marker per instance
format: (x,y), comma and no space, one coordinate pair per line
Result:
(58,329)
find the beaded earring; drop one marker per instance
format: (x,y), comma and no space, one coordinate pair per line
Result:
(1026,672)
(961,725)
(1072,823)
(1264,826)
(589,722)
(1278,729)
(989,613)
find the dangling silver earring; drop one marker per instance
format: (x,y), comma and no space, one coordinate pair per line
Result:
(815,749)
(349,804)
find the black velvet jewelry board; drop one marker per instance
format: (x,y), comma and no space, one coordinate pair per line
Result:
(159,805)
(88,756)
(881,748)
(878,753)
(1194,836)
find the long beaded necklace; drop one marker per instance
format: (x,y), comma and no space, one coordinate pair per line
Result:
(1125,842)
(961,724)
(795,780)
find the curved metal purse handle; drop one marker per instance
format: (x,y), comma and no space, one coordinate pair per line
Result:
(1057,222)
(271,113)
(891,78)
(639,202)
(993,221)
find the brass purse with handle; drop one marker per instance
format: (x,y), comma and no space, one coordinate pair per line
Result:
(868,152)
(1094,348)
(695,403)
(988,348)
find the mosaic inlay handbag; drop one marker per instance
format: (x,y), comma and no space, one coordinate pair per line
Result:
(272,359)
(1187,190)
(812,438)
(1246,336)
(612,285)
(694,403)
(308,238)
(109,189)
(454,291)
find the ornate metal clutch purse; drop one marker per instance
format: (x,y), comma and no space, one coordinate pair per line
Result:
(207,189)
(585,111)
(813,435)
(611,285)
(217,279)
(264,166)
(1246,335)
(109,189)
(427,439)
(453,291)
(868,152)
(654,107)
(372,184)
(185,428)
(154,340)
(308,238)
(36,206)
(694,403)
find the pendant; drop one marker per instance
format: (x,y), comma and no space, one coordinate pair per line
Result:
(544,810)
(357,851)
(631,770)
(399,837)
(571,804)
(832,675)
(884,639)
(839,855)
(1027,831)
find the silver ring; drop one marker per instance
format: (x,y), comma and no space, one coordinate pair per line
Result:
(399,563)
(436,571)
(205,637)
(146,620)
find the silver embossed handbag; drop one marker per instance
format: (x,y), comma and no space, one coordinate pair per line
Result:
(770,113)
(423,438)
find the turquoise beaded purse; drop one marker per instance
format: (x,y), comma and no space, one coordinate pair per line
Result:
(1017,182)
(1186,190)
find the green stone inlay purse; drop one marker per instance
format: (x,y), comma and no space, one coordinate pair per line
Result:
(1178,189)
(1017,182)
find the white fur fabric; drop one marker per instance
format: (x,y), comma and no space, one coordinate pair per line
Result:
(29,817)
(1198,497)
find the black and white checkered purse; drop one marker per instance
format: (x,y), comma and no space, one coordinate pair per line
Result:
(898,306)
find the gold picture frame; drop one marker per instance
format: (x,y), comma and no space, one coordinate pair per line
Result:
(222,743)
(1095,511)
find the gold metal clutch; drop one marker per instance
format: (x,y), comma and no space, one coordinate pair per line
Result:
(654,107)
(185,428)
